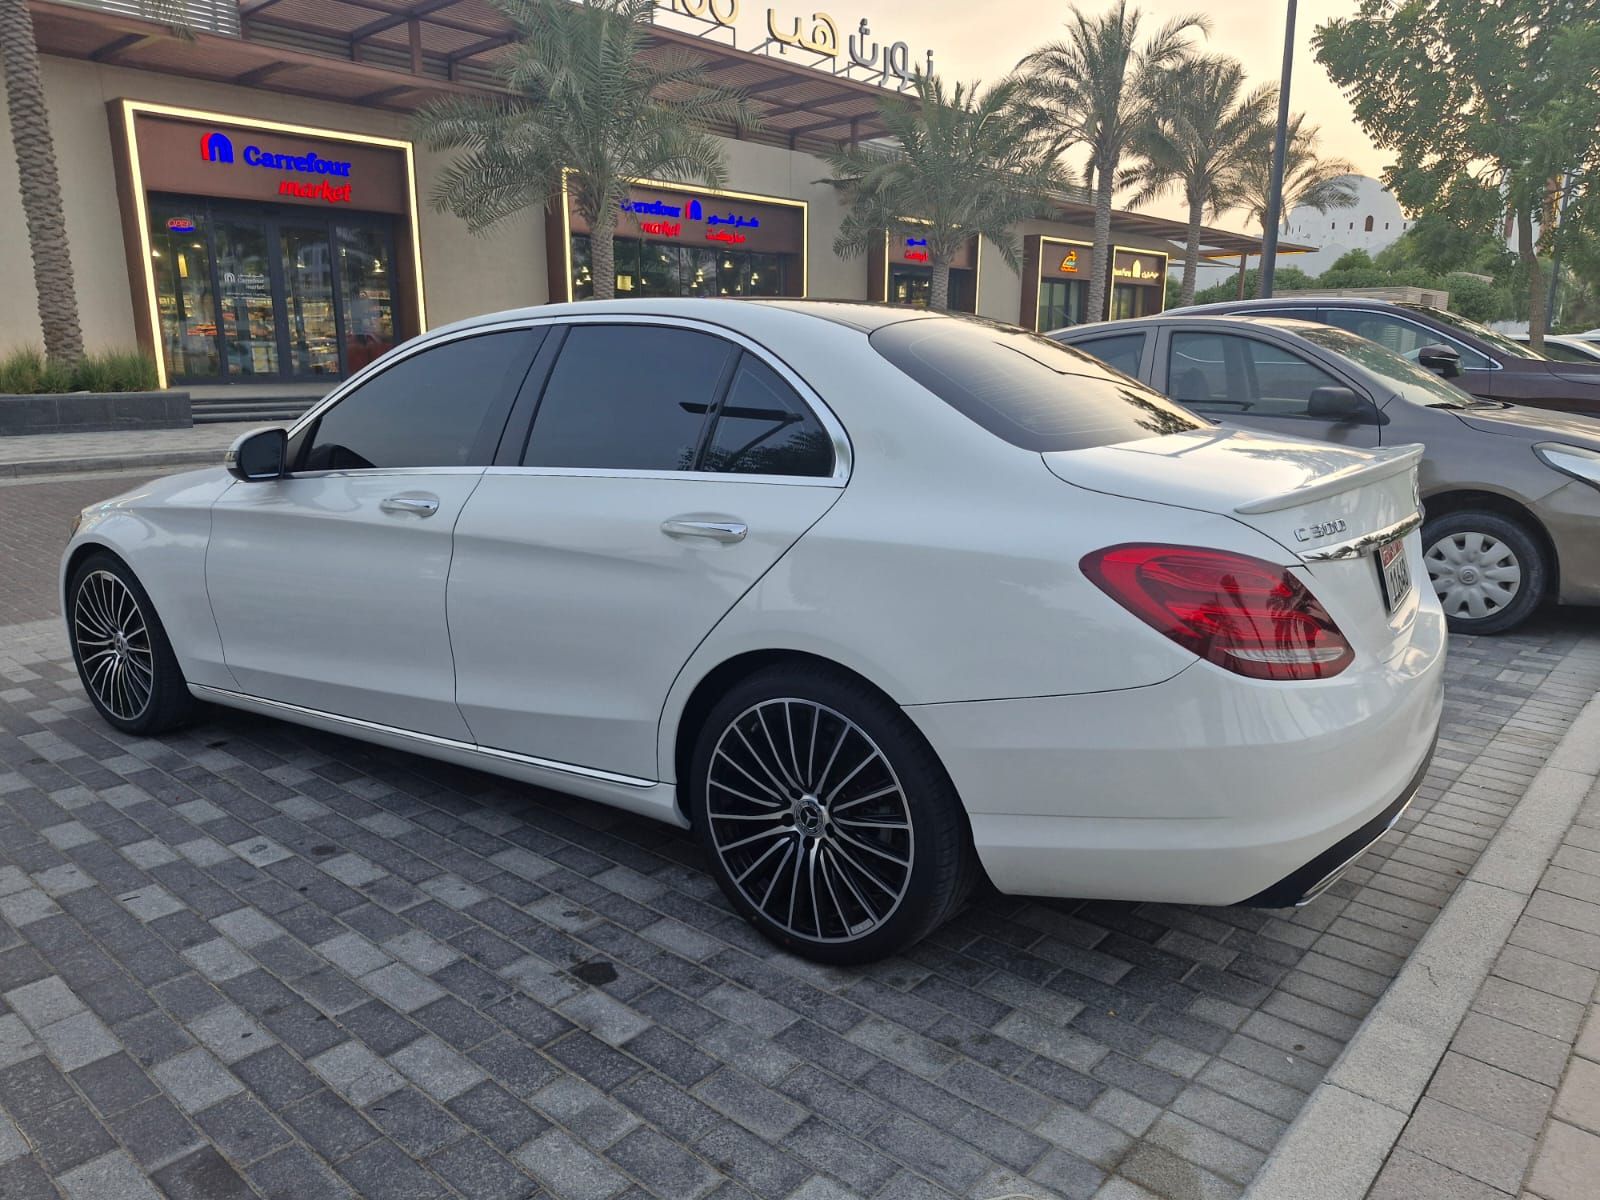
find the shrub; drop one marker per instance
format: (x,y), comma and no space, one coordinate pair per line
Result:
(115,371)
(25,371)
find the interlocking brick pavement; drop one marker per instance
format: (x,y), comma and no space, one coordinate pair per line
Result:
(254,960)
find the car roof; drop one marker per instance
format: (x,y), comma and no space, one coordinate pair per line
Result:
(735,313)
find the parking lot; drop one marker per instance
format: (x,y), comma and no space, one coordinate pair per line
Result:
(252,960)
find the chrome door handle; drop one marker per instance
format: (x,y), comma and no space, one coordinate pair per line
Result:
(418,506)
(717,531)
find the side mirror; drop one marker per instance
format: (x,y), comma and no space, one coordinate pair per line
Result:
(259,454)
(1336,404)
(1444,361)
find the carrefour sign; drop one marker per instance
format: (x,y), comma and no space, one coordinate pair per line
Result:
(217,147)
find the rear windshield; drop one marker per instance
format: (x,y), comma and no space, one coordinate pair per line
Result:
(1027,389)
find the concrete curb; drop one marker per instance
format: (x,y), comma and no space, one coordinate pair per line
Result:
(1343,1135)
(119,462)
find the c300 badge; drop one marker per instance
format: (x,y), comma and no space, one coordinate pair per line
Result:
(1310,533)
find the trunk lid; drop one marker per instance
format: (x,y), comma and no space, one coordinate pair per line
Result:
(1328,507)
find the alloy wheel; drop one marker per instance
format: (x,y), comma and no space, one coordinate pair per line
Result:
(113,643)
(1475,574)
(810,820)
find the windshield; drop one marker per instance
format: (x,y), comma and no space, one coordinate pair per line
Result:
(1027,389)
(1414,383)
(1482,332)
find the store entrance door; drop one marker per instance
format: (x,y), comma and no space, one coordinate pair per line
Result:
(257,293)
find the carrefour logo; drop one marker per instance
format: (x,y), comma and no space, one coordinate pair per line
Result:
(216,147)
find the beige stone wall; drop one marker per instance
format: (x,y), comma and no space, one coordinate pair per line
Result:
(463,274)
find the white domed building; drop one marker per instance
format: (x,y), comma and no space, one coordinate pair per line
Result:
(1372,223)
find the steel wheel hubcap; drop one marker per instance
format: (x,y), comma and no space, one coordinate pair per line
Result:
(810,820)
(113,645)
(1475,574)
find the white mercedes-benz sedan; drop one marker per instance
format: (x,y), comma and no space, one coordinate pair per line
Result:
(878,602)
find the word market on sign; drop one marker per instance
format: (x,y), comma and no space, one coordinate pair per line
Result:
(332,193)
(661,228)
(917,256)
(733,239)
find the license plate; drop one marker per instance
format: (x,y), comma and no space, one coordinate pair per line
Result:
(1394,573)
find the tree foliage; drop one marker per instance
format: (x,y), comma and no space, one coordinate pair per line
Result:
(1096,88)
(964,163)
(580,103)
(1310,179)
(1205,130)
(1485,104)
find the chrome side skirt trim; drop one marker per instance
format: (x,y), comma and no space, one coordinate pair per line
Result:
(1365,544)
(242,699)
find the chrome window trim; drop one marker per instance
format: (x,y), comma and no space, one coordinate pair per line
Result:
(843,456)
(383,472)
(225,696)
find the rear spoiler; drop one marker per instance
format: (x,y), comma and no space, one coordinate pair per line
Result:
(1385,465)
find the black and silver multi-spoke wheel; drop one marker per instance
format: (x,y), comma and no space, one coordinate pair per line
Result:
(123,656)
(829,822)
(1489,573)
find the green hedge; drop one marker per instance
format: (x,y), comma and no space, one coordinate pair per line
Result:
(26,372)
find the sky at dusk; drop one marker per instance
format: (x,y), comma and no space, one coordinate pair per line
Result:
(983,39)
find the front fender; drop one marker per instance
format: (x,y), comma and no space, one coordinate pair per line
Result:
(161,531)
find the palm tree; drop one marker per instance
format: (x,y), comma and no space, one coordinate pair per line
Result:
(1096,88)
(960,166)
(581,106)
(1309,179)
(40,185)
(1206,128)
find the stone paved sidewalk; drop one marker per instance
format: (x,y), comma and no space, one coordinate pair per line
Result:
(132,449)
(1514,1108)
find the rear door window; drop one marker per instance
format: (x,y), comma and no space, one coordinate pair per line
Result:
(1025,388)
(628,398)
(764,428)
(1123,352)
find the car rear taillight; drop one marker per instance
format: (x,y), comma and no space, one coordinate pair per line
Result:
(1244,614)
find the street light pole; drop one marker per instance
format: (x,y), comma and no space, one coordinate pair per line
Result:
(1280,150)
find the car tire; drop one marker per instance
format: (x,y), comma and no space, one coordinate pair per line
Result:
(779,761)
(124,658)
(1489,572)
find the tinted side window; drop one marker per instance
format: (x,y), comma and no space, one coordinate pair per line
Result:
(628,397)
(1122,352)
(764,428)
(442,407)
(1197,374)
(1025,388)
(1281,381)
(1404,337)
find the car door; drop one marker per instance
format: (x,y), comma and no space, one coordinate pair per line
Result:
(328,585)
(668,466)
(1254,383)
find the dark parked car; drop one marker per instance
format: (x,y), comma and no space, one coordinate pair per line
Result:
(1472,356)
(1512,494)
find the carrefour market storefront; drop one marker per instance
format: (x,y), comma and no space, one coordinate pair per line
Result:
(266,251)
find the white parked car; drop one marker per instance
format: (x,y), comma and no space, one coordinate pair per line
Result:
(877,601)
(1580,348)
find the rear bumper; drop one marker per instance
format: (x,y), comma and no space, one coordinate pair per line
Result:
(1323,871)
(1205,789)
